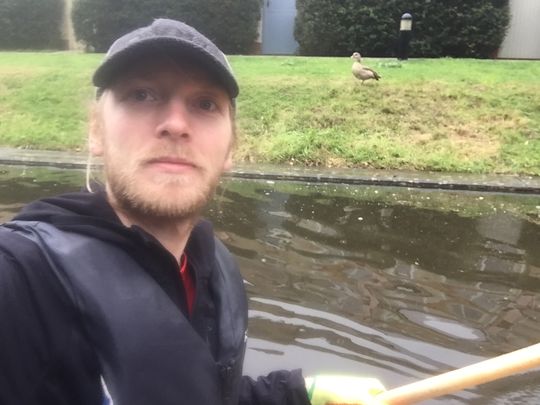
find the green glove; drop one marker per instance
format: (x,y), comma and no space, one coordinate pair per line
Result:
(343,390)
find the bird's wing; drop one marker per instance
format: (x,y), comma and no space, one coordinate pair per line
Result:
(359,71)
(376,76)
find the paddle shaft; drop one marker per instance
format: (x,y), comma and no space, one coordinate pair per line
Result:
(456,380)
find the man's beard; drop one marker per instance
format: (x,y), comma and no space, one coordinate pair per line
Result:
(176,197)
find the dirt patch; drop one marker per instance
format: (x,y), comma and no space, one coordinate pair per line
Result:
(472,143)
(336,162)
(421,138)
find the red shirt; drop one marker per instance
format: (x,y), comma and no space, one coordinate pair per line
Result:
(188,282)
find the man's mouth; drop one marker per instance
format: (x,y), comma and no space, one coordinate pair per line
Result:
(171,164)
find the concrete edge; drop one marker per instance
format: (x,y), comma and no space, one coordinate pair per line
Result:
(425,180)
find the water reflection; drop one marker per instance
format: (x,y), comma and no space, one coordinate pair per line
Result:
(394,283)
(440,279)
(20,185)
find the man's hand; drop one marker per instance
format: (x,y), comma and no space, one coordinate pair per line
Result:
(343,390)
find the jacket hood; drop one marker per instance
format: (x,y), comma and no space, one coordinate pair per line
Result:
(81,212)
(64,206)
(91,214)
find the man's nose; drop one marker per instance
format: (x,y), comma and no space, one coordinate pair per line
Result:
(174,120)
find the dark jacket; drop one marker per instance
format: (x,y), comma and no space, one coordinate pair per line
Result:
(88,305)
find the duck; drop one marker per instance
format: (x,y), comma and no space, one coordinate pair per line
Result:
(362,72)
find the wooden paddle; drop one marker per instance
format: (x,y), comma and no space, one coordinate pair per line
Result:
(456,380)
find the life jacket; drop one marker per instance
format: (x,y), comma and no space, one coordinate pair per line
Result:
(148,351)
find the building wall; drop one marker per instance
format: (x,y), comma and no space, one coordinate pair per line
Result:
(522,40)
(277,34)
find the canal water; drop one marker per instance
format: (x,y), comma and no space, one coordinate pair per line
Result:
(394,283)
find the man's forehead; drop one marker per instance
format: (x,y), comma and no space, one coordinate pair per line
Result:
(182,70)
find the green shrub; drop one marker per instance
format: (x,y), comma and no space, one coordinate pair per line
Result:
(31,24)
(231,24)
(97,23)
(456,28)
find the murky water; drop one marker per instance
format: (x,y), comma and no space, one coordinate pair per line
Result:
(387,282)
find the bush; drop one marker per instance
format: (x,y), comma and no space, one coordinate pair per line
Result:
(31,24)
(231,24)
(457,28)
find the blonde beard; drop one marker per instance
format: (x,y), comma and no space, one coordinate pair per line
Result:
(180,203)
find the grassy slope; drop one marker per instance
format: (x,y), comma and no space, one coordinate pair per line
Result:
(44,99)
(466,115)
(440,114)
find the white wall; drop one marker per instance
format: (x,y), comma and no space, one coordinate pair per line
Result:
(522,40)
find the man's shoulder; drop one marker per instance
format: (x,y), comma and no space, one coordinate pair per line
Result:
(13,242)
(18,251)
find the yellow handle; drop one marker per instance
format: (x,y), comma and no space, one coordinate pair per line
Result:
(456,380)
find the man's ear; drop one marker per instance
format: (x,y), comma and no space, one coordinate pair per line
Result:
(95,133)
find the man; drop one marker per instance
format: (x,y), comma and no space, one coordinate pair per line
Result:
(122,294)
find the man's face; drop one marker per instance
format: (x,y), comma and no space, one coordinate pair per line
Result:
(165,134)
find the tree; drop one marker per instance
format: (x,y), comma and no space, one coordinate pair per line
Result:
(31,24)
(458,28)
(231,24)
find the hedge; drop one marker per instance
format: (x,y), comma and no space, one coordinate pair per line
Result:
(231,24)
(455,28)
(31,24)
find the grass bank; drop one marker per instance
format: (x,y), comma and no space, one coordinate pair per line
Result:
(478,116)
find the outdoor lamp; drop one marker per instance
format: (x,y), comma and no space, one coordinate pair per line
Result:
(405,28)
(406,22)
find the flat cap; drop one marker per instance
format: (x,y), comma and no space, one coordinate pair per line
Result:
(173,38)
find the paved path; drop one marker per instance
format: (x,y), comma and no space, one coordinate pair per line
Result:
(449,181)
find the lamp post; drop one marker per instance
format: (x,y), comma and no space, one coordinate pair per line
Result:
(405,28)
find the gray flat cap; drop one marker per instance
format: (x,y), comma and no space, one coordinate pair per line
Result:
(169,37)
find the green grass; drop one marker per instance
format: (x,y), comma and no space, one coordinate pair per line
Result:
(480,116)
(44,99)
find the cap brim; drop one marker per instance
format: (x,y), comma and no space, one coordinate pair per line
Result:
(124,60)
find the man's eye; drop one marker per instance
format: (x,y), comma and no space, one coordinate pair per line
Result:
(207,105)
(141,95)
